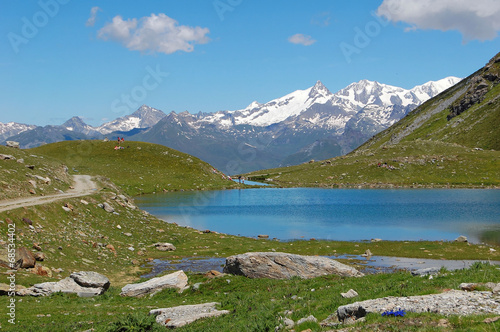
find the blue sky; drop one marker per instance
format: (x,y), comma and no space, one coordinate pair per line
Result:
(103,59)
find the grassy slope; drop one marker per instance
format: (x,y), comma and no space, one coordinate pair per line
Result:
(256,304)
(14,176)
(139,168)
(437,152)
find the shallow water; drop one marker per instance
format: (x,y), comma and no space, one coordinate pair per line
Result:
(336,214)
(368,265)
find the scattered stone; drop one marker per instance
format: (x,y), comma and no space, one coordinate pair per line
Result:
(214,274)
(310,318)
(174,280)
(37,247)
(12,144)
(186,314)
(263,236)
(350,294)
(20,161)
(491,320)
(24,258)
(96,282)
(5,289)
(108,208)
(443,323)
(42,179)
(32,192)
(42,271)
(197,285)
(426,271)
(376,240)
(8,221)
(84,202)
(6,157)
(165,246)
(277,265)
(288,322)
(127,234)
(90,279)
(367,253)
(32,167)
(461,238)
(28,221)
(206,231)
(66,209)
(39,256)
(496,289)
(468,286)
(33,183)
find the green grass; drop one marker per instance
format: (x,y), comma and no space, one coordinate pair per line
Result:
(254,305)
(139,168)
(14,176)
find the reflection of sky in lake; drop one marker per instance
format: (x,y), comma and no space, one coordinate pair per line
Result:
(335,214)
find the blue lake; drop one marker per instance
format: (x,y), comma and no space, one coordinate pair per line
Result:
(336,214)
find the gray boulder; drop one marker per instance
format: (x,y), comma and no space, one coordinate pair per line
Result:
(186,314)
(90,279)
(277,265)
(12,144)
(165,246)
(107,207)
(76,283)
(461,238)
(174,280)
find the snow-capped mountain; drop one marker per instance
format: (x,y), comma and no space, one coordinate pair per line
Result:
(303,125)
(77,125)
(144,117)
(306,124)
(13,128)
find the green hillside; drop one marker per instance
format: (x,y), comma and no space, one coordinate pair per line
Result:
(452,140)
(19,167)
(138,168)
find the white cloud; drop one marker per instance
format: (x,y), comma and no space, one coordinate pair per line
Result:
(475,19)
(93,16)
(301,39)
(155,33)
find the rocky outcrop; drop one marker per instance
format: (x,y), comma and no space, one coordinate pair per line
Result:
(84,284)
(454,302)
(479,86)
(174,280)
(186,314)
(277,265)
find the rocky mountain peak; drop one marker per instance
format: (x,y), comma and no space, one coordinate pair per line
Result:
(319,90)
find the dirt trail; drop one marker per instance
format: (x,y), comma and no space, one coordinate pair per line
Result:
(83,185)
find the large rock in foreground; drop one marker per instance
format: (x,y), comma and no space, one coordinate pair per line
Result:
(186,314)
(454,302)
(278,265)
(174,280)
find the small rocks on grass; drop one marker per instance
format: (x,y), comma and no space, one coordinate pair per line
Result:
(461,238)
(349,294)
(165,246)
(310,318)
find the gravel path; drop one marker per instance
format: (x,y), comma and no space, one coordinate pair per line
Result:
(83,185)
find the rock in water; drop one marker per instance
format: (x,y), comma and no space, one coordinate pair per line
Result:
(186,314)
(277,265)
(174,280)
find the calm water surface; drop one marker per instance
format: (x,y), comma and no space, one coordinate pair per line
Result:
(336,214)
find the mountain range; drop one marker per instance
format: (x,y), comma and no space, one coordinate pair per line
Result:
(306,124)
